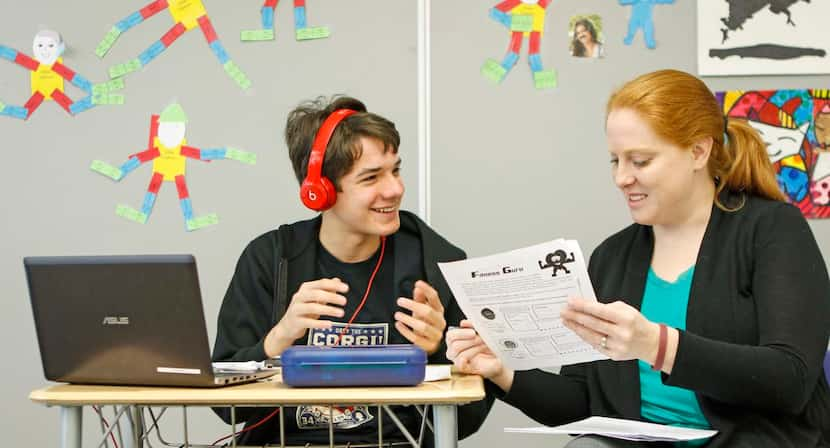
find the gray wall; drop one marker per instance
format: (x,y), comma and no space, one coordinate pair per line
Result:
(54,205)
(510,166)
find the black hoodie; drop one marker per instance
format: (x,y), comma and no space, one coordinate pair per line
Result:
(274,265)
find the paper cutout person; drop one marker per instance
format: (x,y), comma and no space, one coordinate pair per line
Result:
(642,17)
(524,18)
(187,14)
(47,79)
(301,29)
(169,152)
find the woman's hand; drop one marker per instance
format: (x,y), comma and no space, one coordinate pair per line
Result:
(617,329)
(471,355)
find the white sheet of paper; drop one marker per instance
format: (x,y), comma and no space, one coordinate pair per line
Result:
(238,366)
(437,372)
(622,429)
(514,299)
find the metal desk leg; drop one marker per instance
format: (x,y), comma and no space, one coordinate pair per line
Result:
(445,418)
(71,430)
(138,426)
(134,429)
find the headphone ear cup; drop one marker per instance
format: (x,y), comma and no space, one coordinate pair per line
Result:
(331,192)
(312,194)
(318,196)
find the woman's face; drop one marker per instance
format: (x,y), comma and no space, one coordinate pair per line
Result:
(655,176)
(583,35)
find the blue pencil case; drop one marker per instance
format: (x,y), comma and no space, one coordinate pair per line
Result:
(374,365)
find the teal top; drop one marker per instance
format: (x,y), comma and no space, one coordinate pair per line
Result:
(666,302)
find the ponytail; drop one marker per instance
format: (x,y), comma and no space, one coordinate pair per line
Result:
(741,164)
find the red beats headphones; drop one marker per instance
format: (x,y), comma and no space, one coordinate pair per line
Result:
(317,192)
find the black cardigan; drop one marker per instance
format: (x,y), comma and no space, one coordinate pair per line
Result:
(756,332)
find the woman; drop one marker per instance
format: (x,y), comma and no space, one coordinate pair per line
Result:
(585,43)
(713,306)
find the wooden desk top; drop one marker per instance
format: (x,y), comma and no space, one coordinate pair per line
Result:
(459,389)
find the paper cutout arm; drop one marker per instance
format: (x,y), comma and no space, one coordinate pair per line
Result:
(7,53)
(501,12)
(162,44)
(137,159)
(219,154)
(118,173)
(507,5)
(128,22)
(18,58)
(73,77)
(141,15)
(192,152)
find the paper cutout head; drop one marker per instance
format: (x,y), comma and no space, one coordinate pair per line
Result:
(172,125)
(48,46)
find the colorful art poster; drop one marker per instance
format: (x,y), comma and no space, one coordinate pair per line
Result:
(795,125)
(763,37)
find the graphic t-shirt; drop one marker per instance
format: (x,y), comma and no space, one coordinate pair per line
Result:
(373,325)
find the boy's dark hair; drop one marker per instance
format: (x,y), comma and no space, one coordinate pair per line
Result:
(344,147)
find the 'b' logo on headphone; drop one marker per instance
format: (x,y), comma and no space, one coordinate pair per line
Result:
(312,196)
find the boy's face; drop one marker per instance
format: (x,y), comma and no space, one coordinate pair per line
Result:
(370,193)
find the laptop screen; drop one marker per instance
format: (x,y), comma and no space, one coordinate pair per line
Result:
(119,319)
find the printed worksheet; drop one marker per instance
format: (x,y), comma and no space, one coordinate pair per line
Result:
(622,429)
(514,299)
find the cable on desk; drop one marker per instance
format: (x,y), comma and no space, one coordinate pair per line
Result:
(106,424)
(250,427)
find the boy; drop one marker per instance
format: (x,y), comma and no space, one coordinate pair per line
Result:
(363,272)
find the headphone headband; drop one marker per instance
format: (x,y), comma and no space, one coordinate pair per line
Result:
(321,142)
(317,192)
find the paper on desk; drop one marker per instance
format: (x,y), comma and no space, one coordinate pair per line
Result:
(246,366)
(622,429)
(514,299)
(437,372)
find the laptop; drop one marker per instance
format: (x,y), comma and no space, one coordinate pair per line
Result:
(135,319)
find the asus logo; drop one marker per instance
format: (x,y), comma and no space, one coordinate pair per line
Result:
(116,320)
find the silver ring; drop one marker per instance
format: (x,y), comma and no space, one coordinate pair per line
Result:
(603,343)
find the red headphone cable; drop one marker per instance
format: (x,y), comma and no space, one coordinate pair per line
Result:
(368,288)
(337,342)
